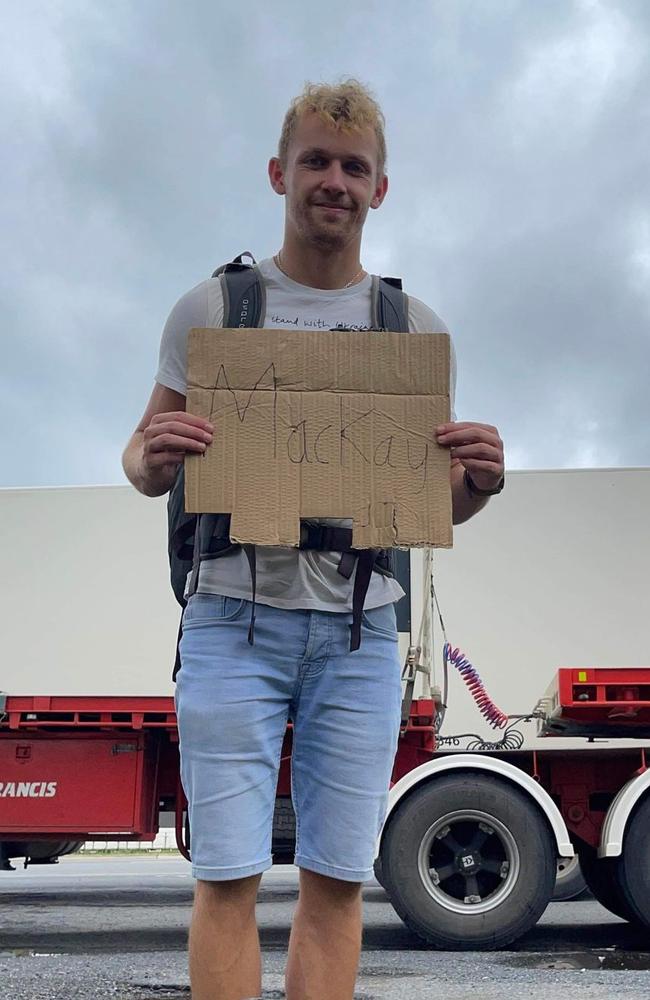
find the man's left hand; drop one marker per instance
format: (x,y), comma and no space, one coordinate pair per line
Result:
(478,448)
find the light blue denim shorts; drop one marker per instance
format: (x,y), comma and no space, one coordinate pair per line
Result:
(233,701)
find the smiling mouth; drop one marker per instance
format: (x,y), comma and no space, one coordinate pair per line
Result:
(331,208)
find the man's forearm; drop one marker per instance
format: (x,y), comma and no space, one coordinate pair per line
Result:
(464,503)
(151,484)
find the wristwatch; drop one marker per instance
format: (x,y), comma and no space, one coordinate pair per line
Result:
(474,490)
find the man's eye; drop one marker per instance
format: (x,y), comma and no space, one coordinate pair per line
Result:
(354,167)
(314,161)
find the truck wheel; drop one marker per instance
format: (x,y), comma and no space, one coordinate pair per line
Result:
(40,851)
(468,862)
(602,877)
(570,882)
(633,866)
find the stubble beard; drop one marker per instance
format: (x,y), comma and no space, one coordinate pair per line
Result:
(332,237)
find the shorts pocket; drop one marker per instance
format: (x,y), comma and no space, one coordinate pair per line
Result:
(382,621)
(210,609)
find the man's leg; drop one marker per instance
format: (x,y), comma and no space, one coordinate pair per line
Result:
(325,940)
(232,701)
(346,717)
(225,959)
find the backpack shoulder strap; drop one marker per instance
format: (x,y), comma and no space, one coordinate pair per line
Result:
(389,305)
(244,296)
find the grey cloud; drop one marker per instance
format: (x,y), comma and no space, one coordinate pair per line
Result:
(518,206)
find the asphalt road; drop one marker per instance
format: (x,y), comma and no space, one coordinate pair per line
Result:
(97,928)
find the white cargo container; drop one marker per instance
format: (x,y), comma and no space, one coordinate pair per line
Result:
(552,573)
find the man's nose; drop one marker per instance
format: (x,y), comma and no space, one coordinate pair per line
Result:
(334,179)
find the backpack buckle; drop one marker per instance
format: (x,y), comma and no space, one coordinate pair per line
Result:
(312,535)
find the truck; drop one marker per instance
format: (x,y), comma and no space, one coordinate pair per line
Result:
(526,713)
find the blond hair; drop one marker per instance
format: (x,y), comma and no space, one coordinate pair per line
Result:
(347,105)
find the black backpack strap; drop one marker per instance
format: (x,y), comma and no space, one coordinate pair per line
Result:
(365,562)
(193,538)
(325,537)
(196,558)
(180,533)
(244,295)
(239,259)
(250,553)
(389,305)
(177,658)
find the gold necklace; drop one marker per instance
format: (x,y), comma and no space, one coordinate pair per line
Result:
(348,285)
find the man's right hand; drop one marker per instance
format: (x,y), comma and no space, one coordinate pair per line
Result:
(169,437)
(165,435)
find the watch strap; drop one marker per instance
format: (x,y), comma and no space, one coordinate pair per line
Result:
(474,490)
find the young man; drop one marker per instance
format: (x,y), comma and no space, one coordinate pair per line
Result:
(233,699)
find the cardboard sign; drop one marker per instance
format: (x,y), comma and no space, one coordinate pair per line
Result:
(322,425)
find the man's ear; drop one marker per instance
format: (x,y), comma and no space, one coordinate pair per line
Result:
(276,175)
(380,192)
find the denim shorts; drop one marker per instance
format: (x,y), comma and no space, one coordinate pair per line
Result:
(233,701)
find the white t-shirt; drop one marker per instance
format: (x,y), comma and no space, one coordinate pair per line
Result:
(286,577)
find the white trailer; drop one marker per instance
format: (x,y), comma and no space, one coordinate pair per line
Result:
(553,572)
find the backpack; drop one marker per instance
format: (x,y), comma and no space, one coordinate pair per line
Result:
(193,538)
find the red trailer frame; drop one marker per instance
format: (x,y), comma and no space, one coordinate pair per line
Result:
(112,763)
(103,768)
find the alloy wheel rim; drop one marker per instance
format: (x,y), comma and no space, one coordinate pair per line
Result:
(468,861)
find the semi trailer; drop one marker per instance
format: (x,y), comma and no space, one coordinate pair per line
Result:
(526,710)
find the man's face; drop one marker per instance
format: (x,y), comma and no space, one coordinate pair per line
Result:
(330,181)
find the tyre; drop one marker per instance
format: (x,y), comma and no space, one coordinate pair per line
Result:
(284,831)
(602,877)
(570,882)
(468,862)
(633,866)
(40,851)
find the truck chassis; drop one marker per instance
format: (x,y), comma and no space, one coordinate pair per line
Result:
(469,849)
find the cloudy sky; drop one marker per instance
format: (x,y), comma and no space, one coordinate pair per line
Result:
(136,138)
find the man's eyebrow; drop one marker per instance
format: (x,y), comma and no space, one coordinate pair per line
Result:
(317,151)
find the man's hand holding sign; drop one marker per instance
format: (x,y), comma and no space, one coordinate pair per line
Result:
(477,465)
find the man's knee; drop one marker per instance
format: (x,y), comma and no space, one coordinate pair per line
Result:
(236,890)
(327,887)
